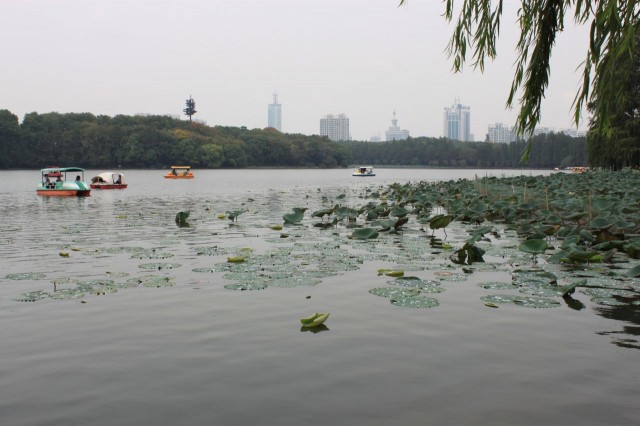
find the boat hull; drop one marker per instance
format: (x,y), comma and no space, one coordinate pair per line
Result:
(363,175)
(64,192)
(108,186)
(172,176)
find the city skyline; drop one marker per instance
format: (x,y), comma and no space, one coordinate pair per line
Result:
(122,57)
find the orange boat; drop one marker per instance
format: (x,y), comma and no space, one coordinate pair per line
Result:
(180,172)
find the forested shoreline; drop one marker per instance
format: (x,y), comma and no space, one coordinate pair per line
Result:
(89,141)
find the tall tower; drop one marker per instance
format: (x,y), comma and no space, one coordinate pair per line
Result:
(457,122)
(335,127)
(395,133)
(275,114)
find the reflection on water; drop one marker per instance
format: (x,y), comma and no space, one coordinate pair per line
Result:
(146,322)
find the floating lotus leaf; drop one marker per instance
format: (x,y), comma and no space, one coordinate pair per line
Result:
(323,212)
(32,296)
(26,276)
(497,285)
(159,266)
(276,227)
(212,251)
(608,292)
(204,270)
(415,302)
(394,292)
(245,286)
(314,320)
(500,298)
(541,291)
(364,234)
(536,302)
(116,274)
(158,282)
(67,293)
(534,246)
(236,259)
(413,282)
(293,218)
(151,254)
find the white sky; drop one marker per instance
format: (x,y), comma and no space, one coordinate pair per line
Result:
(363,58)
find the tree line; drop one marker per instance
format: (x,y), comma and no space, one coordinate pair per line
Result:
(89,141)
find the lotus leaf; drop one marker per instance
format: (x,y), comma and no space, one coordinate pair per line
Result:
(440,221)
(293,218)
(634,272)
(364,234)
(246,286)
(415,302)
(181,219)
(314,320)
(534,246)
(394,292)
(26,276)
(32,296)
(159,266)
(233,215)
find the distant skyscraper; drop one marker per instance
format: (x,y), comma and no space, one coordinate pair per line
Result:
(395,133)
(499,133)
(275,114)
(457,122)
(335,127)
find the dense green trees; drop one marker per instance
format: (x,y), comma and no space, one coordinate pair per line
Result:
(90,141)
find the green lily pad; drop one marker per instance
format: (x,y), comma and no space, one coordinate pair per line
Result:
(245,286)
(415,302)
(364,234)
(394,292)
(26,276)
(159,266)
(534,246)
(32,296)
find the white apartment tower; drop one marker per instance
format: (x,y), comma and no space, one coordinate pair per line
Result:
(499,133)
(335,127)
(275,114)
(457,122)
(395,133)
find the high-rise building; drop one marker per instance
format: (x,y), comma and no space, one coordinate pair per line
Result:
(457,122)
(395,133)
(499,133)
(335,127)
(275,114)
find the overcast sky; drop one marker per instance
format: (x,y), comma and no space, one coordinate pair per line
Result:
(364,58)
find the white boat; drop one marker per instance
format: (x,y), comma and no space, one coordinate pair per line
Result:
(108,180)
(363,171)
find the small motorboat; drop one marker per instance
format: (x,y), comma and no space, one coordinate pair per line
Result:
(180,172)
(363,171)
(108,180)
(54,182)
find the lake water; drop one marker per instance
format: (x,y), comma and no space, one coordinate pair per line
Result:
(139,328)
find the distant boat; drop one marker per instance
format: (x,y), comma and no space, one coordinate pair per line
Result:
(180,172)
(54,182)
(363,171)
(108,180)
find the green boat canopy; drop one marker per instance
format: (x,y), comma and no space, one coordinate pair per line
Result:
(63,169)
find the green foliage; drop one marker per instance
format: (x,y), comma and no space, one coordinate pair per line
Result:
(191,107)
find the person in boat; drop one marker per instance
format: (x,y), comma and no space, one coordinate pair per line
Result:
(118,180)
(59,179)
(174,172)
(186,172)
(78,178)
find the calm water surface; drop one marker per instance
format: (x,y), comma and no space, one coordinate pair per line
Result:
(197,353)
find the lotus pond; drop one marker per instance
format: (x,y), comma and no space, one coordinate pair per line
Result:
(507,297)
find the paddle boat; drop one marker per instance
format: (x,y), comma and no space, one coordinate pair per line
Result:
(108,180)
(363,171)
(180,172)
(54,182)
